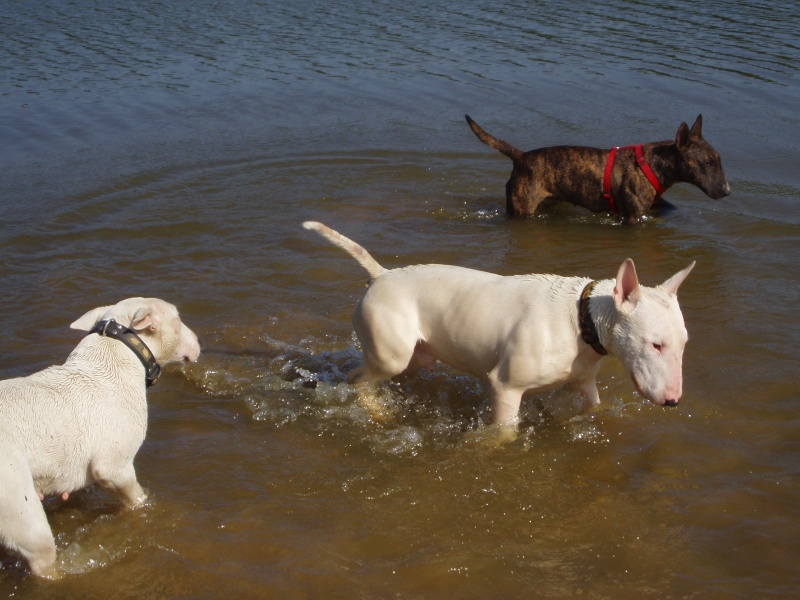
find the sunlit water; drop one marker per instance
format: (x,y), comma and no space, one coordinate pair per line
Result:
(173,150)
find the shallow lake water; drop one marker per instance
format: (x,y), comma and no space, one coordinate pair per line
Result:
(174,149)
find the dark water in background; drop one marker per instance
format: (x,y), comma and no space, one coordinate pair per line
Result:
(173,149)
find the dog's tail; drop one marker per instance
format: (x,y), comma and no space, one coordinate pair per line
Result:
(492,141)
(360,254)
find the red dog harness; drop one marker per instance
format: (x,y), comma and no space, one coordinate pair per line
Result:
(640,160)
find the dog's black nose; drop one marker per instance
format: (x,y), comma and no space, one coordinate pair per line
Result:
(671,402)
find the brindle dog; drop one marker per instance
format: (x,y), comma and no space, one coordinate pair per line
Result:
(576,173)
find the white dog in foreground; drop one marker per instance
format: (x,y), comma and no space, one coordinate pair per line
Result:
(80,423)
(520,333)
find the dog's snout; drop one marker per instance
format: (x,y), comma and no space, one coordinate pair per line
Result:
(724,190)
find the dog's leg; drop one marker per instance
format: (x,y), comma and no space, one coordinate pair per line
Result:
(370,400)
(523,194)
(503,429)
(505,405)
(588,389)
(587,386)
(388,342)
(23,522)
(364,378)
(34,541)
(122,481)
(374,369)
(423,358)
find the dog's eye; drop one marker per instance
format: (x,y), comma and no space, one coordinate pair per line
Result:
(657,347)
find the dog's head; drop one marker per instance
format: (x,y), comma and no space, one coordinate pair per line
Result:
(649,335)
(156,322)
(701,163)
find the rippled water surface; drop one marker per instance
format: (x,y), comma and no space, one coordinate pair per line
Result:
(173,150)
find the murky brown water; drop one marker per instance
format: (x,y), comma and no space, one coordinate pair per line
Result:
(174,150)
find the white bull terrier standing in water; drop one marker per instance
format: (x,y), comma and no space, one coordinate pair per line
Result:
(82,422)
(520,333)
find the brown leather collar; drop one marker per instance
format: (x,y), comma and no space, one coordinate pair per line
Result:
(110,328)
(588,330)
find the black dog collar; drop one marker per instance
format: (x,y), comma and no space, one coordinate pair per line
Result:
(110,328)
(588,330)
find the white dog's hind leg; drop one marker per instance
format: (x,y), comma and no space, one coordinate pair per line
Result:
(381,366)
(369,399)
(36,544)
(388,341)
(23,522)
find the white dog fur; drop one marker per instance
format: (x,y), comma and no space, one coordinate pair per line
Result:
(519,333)
(80,423)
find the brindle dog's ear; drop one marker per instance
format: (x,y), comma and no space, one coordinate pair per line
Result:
(682,137)
(697,128)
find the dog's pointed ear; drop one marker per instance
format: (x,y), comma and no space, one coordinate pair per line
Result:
(697,128)
(626,289)
(145,318)
(682,137)
(672,284)
(87,321)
